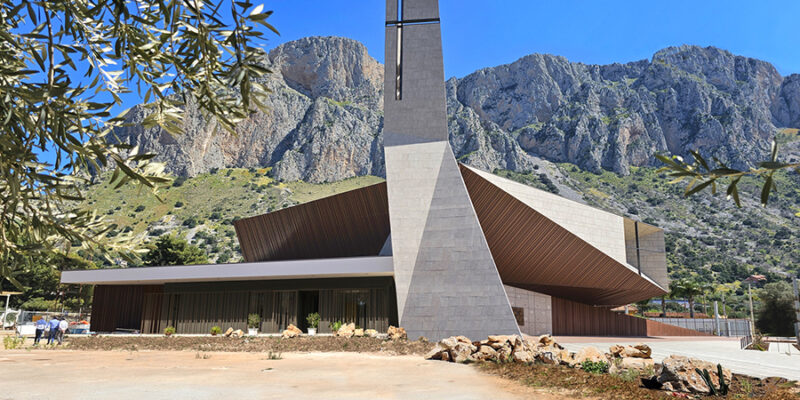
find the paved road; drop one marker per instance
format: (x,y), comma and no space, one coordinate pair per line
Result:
(176,375)
(723,351)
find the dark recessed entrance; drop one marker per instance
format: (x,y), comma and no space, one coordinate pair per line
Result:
(308,302)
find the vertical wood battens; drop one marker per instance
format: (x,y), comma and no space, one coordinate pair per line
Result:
(531,250)
(350,224)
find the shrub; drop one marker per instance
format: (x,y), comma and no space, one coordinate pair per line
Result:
(178,204)
(11,342)
(253,320)
(592,367)
(335,326)
(313,320)
(139,208)
(169,330)
(216,330)
(178,181)
(190,222)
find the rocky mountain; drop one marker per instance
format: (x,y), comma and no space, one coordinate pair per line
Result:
(325,119)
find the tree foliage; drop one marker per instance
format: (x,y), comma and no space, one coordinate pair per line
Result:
(776,313)
(64,65)
(172,250)
(687,289)
(701,175)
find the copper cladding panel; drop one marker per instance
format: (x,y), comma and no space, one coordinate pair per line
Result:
(533,252)
(350,224)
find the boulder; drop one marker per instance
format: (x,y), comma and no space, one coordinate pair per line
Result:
(587,353)
(436,353)
(229,332)
(458,349)
(347,330)
(522,356)
(291,331)
(358,333)
(639,350)
(677,374)
(237,333)
(371,333)
(397,333)
(621,365)
(462,352)
(485,353)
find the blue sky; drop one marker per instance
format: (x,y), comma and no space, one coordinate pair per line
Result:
(480,34)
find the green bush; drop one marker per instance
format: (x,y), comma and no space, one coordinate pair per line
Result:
(11,342)
(178,204)
(139,209)
(169,330)
(216,330)
(335,326)
(592,367)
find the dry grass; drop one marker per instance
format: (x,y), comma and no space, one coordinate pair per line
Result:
(260,344)
(605,386)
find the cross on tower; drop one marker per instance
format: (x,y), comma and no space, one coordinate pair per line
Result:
(399,22)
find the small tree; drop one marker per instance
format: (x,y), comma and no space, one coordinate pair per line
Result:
(777,310)
(688,289)
(171,250)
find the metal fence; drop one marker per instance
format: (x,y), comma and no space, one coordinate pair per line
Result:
(727,327)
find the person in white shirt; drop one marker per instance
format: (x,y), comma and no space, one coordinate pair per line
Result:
(62,329)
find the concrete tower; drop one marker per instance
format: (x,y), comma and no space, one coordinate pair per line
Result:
(446,279)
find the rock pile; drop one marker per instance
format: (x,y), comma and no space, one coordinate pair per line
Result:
(677,373)
(371,333)
(501,348)
(291,331)
(397,333)
(347,330)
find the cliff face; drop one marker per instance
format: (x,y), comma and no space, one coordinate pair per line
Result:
(325,119)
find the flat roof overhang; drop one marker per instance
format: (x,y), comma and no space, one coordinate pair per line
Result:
(354,267)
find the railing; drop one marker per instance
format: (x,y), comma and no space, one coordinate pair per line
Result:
(745,341)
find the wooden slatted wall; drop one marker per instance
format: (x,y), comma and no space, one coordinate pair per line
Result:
(350,224)
(576,319)
(119,306)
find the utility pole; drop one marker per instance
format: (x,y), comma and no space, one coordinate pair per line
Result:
(797,310)
(717,327)
(752,318)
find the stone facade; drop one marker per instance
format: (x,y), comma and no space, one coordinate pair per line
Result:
(536,310)
(446,280)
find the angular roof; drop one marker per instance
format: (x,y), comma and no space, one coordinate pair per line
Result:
(533,252)
(350,224)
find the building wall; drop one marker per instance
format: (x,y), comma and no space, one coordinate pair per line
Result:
(576,319)
(196,307)
(536,310)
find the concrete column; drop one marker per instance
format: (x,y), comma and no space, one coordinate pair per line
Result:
(445,277)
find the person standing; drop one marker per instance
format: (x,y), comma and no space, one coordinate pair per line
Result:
(53,325)
(41,325)
(62,329)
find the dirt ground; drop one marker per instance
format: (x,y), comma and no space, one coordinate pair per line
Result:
(173,375)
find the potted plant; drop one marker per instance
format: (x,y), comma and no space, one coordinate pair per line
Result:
(215,330)
(169,331)
(313,323)
(253,321)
